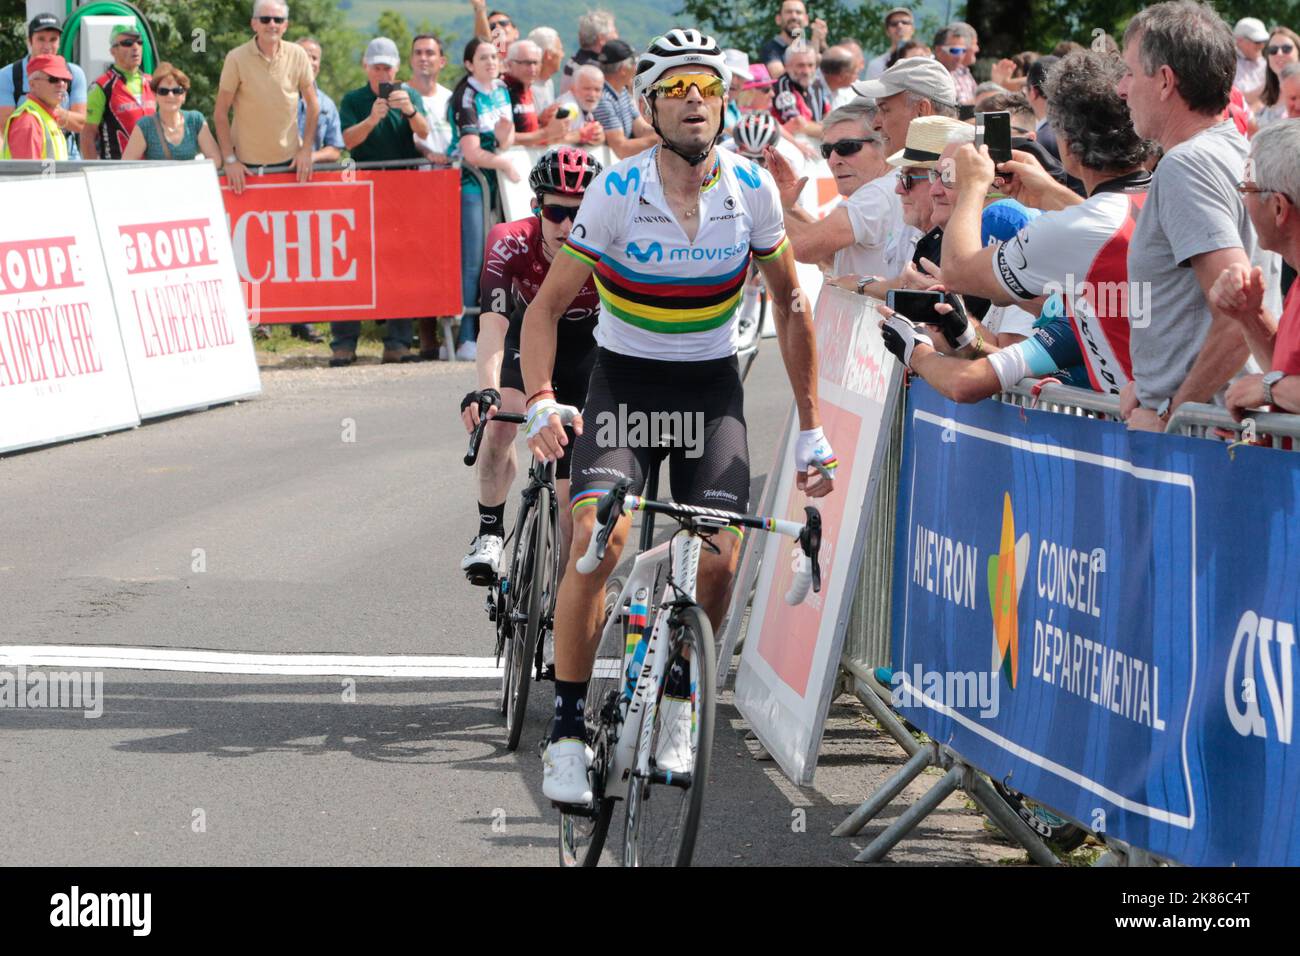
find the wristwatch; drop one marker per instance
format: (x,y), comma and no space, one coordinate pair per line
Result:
(1163,409)
(410,114)
(866,281)
(232,158)
(1271,379)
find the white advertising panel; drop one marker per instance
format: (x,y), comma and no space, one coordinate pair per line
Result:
(791,656)
(62,370)
(179,301)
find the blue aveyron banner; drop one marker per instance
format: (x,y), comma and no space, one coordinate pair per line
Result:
(1106,621)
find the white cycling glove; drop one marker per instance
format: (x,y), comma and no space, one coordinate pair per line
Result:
(540,412)
(814,450)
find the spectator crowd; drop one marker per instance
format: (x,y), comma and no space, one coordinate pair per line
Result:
(1141,239)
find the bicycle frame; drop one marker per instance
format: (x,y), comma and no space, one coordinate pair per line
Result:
(641,665)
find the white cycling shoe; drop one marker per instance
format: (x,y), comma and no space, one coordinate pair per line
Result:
(484,558)
(674,752)
(564,772)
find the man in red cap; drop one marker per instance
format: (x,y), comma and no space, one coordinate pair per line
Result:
(32,131)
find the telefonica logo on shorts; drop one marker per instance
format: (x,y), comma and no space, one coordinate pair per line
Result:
(1269,644)
(76,908)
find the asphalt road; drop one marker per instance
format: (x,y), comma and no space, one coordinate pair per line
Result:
(328,515)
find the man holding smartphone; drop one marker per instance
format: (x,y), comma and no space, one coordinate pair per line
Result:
(382,119)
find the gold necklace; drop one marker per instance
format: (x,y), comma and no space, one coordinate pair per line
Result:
(687,214)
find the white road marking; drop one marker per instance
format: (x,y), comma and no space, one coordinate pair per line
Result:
(188,660)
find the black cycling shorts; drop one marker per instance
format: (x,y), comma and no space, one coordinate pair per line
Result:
(698,406)
(575,354)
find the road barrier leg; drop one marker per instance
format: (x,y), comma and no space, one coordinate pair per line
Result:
(913,815)
(859,818)
(884,716)
(1007,820)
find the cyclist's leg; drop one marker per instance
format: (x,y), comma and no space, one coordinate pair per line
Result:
(498,463)
(711,470)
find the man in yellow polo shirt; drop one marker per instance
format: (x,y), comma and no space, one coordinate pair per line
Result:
(262,80)
(32,132)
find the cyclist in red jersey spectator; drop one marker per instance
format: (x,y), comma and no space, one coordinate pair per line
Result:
(516,260)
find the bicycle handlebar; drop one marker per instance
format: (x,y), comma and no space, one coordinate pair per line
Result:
(476,436)
(617,501)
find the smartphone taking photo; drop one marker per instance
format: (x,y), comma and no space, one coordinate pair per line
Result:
(994,131)
(387,89)
(915,305)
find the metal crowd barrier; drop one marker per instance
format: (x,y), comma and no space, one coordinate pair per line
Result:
(867,640)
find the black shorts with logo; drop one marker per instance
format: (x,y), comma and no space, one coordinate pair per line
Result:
(575,354)
(697,407)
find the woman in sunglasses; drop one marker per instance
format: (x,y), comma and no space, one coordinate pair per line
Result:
(1283,49)
(173,132)
(518,256)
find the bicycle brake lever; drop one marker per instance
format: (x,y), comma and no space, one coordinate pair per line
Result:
(811,539)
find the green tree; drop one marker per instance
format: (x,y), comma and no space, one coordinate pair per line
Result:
(13,31)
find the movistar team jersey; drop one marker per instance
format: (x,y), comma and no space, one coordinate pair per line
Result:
(661,295)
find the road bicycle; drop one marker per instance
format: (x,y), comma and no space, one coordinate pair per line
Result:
(521,602)
(663,807)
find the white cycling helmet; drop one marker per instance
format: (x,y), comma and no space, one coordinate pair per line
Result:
(754,132)
(678,47)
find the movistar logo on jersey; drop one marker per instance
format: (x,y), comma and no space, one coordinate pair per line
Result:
(615,180)
(654,249)
(707,253)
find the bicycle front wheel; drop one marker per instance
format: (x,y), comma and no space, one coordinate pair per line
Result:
(664,809)
(582,834)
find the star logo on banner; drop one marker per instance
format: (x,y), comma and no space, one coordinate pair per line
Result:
(1006,581)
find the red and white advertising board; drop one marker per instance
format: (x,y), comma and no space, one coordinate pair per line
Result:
(791,655)
(63,373)
(349,244)
(179,301)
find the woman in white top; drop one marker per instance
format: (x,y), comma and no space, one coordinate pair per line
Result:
(1283,49)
